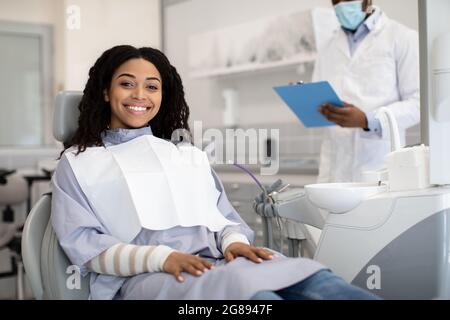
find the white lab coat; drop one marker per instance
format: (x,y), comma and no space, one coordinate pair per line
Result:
(383,72)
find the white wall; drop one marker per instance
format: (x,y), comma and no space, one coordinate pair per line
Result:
(404,11)
(259,105)
(104,24)
(28,10)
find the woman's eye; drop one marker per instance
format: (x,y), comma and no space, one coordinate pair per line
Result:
(152,87)
(126,84)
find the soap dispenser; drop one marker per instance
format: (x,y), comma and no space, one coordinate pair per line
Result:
(230,114)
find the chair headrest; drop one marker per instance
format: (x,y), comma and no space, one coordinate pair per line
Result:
(65,118)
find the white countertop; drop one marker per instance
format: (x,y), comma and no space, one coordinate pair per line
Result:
(293,179)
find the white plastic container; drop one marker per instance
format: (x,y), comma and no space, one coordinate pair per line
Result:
(408,169)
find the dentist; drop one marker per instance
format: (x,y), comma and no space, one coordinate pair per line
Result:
(371,62)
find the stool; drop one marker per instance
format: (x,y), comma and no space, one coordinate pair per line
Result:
(13,191)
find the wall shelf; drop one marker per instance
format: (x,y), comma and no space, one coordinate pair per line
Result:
(254,67)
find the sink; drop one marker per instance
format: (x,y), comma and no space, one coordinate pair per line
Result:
(340,198)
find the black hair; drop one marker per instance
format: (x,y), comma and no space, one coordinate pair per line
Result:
(95,112)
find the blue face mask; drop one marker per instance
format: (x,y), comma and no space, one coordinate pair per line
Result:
(350,14)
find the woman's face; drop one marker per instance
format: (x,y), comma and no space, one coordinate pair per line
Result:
(135,94)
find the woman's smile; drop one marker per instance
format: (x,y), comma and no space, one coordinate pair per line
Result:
(137,109)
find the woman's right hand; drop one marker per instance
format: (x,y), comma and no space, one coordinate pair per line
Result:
(178,262)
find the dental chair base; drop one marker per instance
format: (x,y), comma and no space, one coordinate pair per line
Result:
(395,244)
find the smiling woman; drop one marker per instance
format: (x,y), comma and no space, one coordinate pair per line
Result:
(148,218)
(124,81)
(135,94)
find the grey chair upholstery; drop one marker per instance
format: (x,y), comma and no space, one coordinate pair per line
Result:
(45,263)
(65,118)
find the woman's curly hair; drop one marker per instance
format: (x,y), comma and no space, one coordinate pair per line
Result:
(95,112)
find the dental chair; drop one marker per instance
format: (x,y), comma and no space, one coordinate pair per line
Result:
(46,265)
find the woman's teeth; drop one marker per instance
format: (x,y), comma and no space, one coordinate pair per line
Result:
(136,108)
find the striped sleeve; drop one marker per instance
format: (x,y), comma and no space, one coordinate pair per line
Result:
(231,238)
(128,260)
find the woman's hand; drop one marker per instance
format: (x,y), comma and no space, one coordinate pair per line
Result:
(178,262)
(252,253)
(348,116)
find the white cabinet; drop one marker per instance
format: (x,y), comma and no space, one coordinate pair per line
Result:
(281,42)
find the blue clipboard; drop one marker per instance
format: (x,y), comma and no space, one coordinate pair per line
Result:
(306,99)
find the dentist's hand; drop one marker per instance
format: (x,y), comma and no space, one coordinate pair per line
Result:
(178,262)
(348,116)
(252,253)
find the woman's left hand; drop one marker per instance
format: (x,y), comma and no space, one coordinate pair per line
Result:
(252,253)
